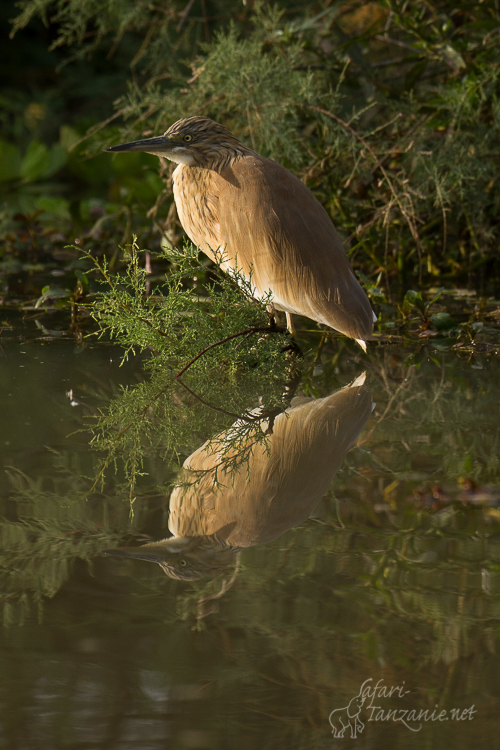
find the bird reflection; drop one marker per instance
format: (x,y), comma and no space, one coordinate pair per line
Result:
(216,510)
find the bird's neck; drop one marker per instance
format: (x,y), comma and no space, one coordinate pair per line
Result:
(217,160)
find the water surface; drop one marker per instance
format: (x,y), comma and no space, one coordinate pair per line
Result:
(354,555)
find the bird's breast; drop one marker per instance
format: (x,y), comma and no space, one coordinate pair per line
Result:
(197,206)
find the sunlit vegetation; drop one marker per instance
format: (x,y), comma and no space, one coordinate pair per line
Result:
(388,110)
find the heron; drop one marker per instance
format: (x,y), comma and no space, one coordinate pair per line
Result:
(278,487)
(267,224)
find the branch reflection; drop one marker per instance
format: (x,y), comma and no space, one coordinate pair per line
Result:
(216,510)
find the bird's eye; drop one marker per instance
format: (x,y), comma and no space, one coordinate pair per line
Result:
(187,138)
(182,561)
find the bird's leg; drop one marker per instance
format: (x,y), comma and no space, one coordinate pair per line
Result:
(292,346)
(272,317)
(290,328)
(290,324)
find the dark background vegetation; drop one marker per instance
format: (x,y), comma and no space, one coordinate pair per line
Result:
(388,110)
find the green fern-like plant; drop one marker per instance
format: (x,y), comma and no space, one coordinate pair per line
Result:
(212,355)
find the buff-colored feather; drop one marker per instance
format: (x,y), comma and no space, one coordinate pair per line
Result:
(276,488)
(265,222)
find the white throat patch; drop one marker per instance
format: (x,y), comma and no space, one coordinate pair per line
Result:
(180,156)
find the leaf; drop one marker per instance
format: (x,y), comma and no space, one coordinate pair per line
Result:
(434,299)
(83,279)
(57,159)
(68,136)
(39,162)
(10,161)
(453,58)
(55,206)
(52,294)
(413,299)
(442,321)
(36,161)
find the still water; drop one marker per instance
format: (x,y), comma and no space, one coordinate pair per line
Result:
(338,586)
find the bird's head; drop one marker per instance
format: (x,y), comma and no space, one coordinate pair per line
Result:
(193,141)
(184,558)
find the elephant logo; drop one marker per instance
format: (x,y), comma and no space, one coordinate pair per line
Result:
(348,717)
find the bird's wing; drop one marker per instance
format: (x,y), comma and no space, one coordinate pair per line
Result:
(283,479)
(266,218)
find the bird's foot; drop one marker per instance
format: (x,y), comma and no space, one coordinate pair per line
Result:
(292,347)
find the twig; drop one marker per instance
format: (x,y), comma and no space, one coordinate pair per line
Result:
(205,21)
(184,15)
(246,332)
(205,403)
(372,153)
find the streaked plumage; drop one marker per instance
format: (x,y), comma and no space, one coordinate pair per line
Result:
(266,222)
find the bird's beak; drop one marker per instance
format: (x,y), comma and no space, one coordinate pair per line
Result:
(159,146)
(156,552)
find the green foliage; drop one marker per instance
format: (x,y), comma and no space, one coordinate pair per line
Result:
(218,338)
(273,84)
(45,536)
(145,28)
(389,110)
(415,300)
(176,321)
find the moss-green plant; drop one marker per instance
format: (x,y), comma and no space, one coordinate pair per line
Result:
(388,110)
(218,339)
